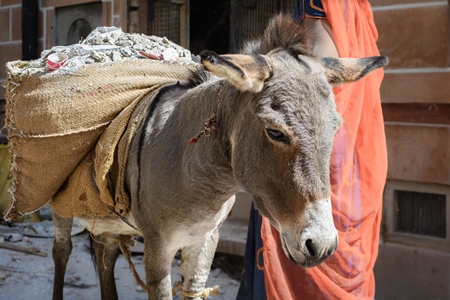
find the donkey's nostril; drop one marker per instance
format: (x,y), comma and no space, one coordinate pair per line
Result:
(310,248)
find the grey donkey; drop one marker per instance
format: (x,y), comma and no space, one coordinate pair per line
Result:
(271,134)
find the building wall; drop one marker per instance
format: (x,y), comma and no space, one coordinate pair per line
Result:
(415,96)
(415,36)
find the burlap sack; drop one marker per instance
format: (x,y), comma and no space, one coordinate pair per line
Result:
(78,195)
(91,189)
(55,118)
(113,193)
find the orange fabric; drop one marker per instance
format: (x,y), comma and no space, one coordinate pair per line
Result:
(358,173)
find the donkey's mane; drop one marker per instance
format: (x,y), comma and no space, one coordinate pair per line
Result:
(196,77)
(282,33)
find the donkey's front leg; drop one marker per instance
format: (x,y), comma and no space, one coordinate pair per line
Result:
(195,266)
(62,247)
(158,264)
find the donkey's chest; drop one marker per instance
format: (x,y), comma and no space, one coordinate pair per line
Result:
(195,228)
(177,232)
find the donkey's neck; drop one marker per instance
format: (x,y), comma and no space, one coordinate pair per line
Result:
(166,174)
(160,151)
(207,165)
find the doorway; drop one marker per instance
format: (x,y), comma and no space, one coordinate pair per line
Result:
(209,26)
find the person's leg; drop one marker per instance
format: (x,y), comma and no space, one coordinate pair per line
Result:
(252,283)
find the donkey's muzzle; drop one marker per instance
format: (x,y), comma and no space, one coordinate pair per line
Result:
(311,240)
(309,253)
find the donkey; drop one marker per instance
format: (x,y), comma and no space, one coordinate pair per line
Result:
(271,133)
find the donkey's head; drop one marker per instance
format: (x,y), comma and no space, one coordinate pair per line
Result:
(282,140)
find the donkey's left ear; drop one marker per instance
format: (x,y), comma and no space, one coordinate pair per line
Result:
(244,72)
(340,70)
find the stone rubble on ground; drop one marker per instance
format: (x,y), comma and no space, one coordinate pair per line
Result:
(33,275)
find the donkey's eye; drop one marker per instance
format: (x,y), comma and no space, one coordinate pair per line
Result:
(277,135)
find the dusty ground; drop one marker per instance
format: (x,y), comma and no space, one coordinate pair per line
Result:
(27,276)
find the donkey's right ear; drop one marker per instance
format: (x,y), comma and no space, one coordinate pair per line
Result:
(244,72)
(340,70)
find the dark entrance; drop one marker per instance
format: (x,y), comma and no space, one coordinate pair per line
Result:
(210,26)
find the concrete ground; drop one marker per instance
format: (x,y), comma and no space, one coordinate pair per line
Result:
(28,276)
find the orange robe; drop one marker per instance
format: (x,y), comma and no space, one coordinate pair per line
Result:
(358,174)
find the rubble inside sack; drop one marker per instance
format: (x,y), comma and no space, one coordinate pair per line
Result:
(105,45)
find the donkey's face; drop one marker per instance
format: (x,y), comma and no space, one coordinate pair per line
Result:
(283,159)
(282,141)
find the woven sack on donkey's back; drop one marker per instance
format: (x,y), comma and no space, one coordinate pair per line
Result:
(92,188)
(54,120)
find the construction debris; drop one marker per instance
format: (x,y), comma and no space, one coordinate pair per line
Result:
(104,45)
